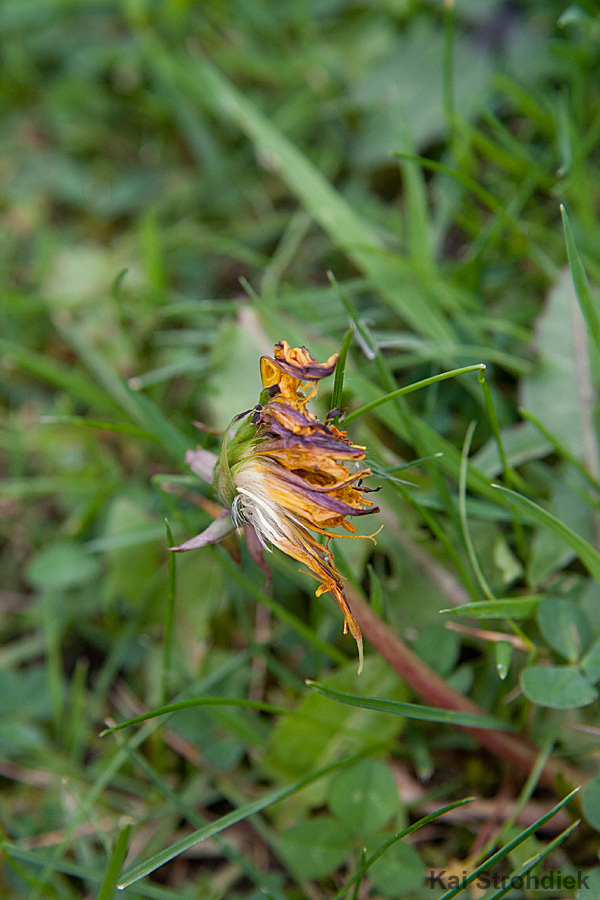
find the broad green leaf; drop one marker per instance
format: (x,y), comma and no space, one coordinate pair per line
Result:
(557,687)
(364,797)
(506,561)
(587,554)
(568,503)
(406,83)
(413,710)
(590,664)
(554,393)
(130,573)
(590,889)
(438,647)
(234,381)
(587,302)
(62,565)
(564,626)
(321,730)
(590,803)
(304,741)
(316,848)
(522,443)
(399,871)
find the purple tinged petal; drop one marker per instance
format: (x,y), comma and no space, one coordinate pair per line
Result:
(202,463)
(216,531)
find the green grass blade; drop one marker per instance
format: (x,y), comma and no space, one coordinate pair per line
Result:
(277,608)
(442,376)
(19,488)
(586,553)
(413,710)
(169,617)
(511,223)
(77,870)
(509,473)
(362,243)
(115,864)
(340,368)
(448,73)
(198,821)
(583,291)
(98,425)
(508,848)
(237,815)
(428,440)
(525,794)
(503,608)
(192,704)
(192,366)
(138,407)
(75,384)
(462,511)
(532,863)
(366,865)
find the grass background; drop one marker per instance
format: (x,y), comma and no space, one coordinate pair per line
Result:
(178,178)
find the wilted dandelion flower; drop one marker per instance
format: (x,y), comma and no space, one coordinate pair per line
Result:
(289,477)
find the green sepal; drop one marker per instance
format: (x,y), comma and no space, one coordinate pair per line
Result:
(232,452)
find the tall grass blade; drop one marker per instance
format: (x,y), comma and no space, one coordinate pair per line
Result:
(516,877)
(367,863)
(143,412)
(401,392)
(347,229)
(508,848)
(338,383)
(99,425)
(238,815)
(169,617)
(462,510)
(413,710)
(115,864)
(170,708)
(77,870)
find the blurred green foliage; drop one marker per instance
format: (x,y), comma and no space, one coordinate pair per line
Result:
(178,178)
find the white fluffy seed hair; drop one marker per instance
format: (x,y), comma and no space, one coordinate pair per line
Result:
(253,503)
